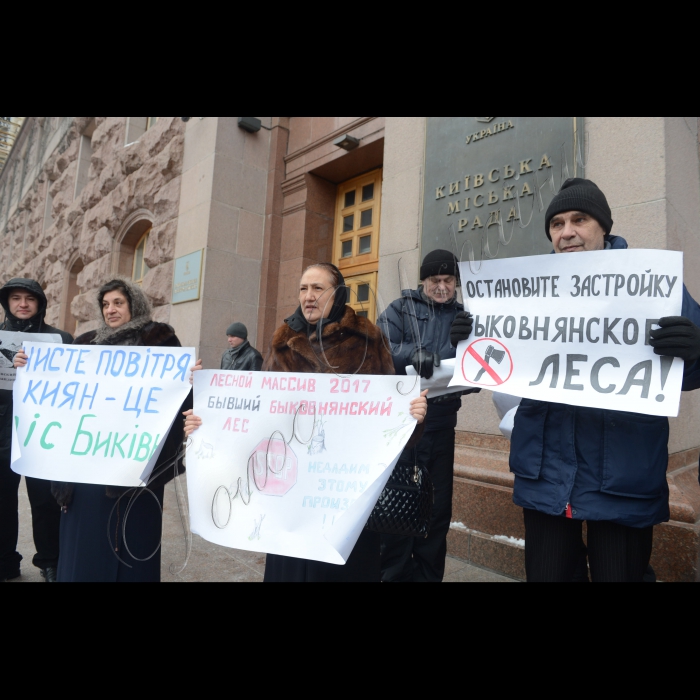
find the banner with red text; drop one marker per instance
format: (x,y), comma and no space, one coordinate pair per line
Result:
(293,464)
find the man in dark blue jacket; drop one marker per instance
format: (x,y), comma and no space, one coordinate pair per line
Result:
(24,303)
(608,468)
(421,327)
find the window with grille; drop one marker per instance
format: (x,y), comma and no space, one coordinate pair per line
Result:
(356,243)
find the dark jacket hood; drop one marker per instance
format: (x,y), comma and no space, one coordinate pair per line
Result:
(33,287)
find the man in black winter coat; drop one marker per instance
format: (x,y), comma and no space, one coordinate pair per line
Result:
(242,356)
(424,328)
(25,304)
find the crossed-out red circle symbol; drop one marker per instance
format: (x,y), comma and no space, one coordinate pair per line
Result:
(487,362)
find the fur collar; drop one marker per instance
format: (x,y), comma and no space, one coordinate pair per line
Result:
(128,334)
(152,335)
(351,323)
(344,345)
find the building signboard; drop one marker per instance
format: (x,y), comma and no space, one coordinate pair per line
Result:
(187,280)
(489,181)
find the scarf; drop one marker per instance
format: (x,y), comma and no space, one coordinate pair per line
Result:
(232,354)
(235,352)
(128,334)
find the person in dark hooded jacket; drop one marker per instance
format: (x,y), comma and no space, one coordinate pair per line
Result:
(608,468)
(424,328)
(25,305)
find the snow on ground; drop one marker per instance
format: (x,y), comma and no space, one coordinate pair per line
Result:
(510,540)
(505,540)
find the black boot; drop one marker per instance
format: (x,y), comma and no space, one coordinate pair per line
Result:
(650,576)
(49,575)
(11,577)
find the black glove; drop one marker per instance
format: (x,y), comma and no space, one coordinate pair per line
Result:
(461,328)
(677,337)
(425,363)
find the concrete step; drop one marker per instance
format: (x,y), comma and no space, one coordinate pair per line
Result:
(483,488)
(483,465)
(502,555)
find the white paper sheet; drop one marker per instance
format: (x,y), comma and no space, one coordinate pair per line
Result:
(506,407)
(439,383)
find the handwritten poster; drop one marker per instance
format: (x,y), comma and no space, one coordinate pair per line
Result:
(293,464)
(96,415)
(574,329)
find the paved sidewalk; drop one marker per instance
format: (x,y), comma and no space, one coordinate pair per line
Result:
(209,563)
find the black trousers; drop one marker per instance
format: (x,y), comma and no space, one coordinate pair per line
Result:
(553,550)
(46,520)
(414,560)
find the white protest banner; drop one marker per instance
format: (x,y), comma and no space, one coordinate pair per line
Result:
(293,464)
(574,329)
(96,415)
(10,344)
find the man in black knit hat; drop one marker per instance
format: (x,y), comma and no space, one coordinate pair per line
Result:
(25,303)
(607,468)
(424,328)
(241,355)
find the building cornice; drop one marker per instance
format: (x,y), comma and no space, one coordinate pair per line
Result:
(329,138)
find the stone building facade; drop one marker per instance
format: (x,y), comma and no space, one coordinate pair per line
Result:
(76,196)
(9,128)
(84,198)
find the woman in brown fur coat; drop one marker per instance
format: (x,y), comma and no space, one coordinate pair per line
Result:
(349,344)
(326,336)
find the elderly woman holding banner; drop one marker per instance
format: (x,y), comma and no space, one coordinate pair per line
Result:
(97,519)
(326,336)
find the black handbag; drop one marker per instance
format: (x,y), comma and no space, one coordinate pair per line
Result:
(406,504)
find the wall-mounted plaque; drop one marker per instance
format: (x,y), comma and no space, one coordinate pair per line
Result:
(489,181)
(187,280)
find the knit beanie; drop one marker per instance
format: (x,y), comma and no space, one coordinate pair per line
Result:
(439,262)
(581,195)
(238,330)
